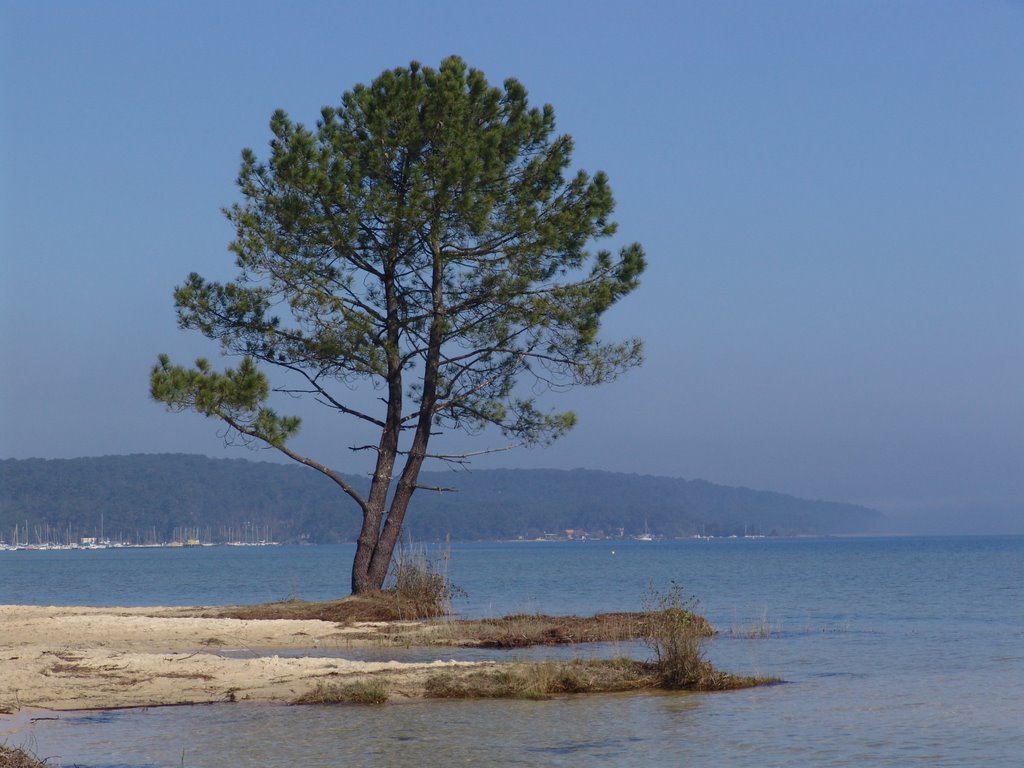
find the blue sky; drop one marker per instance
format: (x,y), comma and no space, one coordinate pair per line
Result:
(831,196)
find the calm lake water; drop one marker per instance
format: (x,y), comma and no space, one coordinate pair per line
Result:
(896,652)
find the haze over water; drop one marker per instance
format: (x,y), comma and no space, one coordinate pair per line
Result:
(895,652)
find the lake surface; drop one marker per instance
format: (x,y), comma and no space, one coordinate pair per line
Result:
(896,652)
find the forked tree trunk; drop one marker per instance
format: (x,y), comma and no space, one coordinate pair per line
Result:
(363,577)
(376,545)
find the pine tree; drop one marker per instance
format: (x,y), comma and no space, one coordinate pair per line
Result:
(424,239)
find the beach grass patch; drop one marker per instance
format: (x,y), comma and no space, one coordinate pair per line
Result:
(371,692)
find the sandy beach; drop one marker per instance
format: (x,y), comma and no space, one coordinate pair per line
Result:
(64,658)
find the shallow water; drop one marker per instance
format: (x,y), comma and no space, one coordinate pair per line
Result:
(895,652)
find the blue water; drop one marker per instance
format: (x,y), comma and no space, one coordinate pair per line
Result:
(896,652)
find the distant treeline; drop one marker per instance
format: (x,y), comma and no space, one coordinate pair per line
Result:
(141,497)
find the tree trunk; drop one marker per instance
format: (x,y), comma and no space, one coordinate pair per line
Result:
(365,546)
(376,545)
(388,538)
(366,575)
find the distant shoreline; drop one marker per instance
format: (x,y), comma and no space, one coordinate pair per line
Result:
(554,539)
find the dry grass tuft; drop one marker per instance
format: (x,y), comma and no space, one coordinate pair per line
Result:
(368,692)
(18,758)
(677,641)
(676,636)
(421,584)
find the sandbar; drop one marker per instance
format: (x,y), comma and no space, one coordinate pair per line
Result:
(70,658)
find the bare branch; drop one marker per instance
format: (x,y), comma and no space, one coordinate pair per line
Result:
(329,400)
(464,457)
(244,429)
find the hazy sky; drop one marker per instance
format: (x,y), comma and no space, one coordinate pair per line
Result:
(831,197)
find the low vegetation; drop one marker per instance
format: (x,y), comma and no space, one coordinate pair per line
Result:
(544,679)
(538,680)
(525,630)
(420,584)
(369,606)
(415,611)
(11,757)
(676,638)
(390,619)
(419,600)
(670,627)
(362,692)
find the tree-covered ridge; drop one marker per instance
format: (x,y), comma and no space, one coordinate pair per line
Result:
(140,496)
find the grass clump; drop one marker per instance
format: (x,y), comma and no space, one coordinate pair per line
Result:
(363,692)
(11,757)
(676,634)
(676,640)
(525,630)
(544,679)
(539,680)
(420,585)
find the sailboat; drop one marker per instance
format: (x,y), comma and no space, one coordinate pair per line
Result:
(646,535)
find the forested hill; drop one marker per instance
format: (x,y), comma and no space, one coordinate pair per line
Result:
(139,497)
